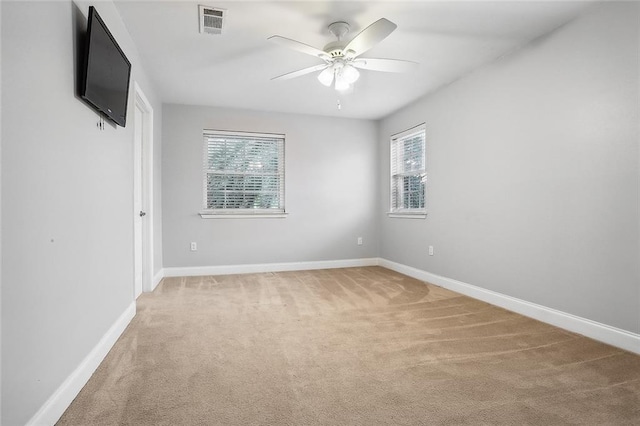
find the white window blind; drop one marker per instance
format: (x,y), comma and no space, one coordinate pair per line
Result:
(408,172)
(243,173)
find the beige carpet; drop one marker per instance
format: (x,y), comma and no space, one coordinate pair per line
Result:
(359,346)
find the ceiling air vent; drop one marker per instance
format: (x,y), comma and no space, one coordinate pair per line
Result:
(211,20)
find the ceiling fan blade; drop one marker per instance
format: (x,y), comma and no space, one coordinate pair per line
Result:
(385,65)
(300,47)
(294,74)
(370,36)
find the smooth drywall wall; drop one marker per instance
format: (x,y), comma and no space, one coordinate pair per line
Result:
(157,190)
(67,203)
(533,173)
(330,175)
(0,219)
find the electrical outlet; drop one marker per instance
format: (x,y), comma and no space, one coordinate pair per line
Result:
(194,246)
(430,250)
(359,241)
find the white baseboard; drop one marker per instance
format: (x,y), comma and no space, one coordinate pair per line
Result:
(268,267)
(54,407)
(604,333)
(156,279)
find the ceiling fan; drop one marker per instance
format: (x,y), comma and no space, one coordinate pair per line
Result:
(342,60)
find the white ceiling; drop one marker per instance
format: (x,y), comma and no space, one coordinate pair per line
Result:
(447,38)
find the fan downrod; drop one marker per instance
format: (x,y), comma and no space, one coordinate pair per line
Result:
(339,29)
(335,48)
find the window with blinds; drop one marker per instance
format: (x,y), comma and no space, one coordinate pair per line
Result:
(408,172)
(243,173)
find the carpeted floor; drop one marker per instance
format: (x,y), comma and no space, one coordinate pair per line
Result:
(358,346)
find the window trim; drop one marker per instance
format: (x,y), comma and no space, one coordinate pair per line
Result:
(241,213)
(407,215)
(401,212)
(209,215)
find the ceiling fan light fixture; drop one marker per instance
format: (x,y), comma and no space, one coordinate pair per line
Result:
(341,83)
(326,76)
(350,74)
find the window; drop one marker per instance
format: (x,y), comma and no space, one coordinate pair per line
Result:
(408,173)
(243,174)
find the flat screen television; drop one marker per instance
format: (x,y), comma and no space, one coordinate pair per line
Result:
(106,72)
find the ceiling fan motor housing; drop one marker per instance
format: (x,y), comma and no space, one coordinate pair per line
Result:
(334,49)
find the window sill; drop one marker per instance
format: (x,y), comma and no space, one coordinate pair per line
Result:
(398,215)
(209,215)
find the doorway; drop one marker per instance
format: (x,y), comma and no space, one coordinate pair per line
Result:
(142,192)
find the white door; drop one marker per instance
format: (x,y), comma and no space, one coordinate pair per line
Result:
(138,211)
(142,193)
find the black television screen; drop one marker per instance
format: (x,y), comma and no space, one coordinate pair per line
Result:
(105,82)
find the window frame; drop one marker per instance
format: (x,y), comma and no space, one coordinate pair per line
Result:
(394,210)
(243,213)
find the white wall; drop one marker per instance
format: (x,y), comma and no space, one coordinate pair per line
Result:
(0,221)
(67,201)
(533,173)
(158,261)
(330,175)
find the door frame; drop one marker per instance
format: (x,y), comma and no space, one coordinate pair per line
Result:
(146,181)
